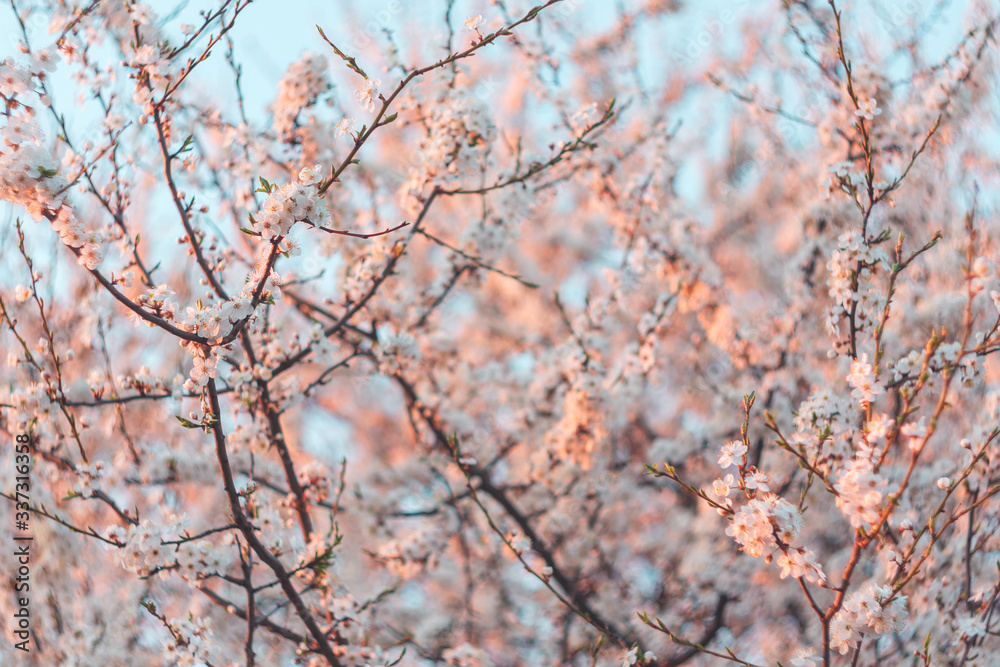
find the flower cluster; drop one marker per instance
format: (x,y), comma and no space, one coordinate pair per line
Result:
(767,522)
(459,134)
(300,87)
(248,436)
(872,611)
(408,556)
(140,549)
(466,655)
(218,319)
(290,203)
(866,387)
(191,642)
(759,524)
(30,177)
(395,350)
(907,367)
(860,489)
(851,268)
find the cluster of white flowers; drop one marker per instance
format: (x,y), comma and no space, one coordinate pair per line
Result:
(767,522)
(847,174)
(29,176)
(90,478)
(23,161)
(630,657)
(73,234)
(149,59)
(669,307)
(466,655)
(193,642)
(824,414)
(395,350)
(14,80)
(868,611)
(203,368)
(852,248)
(459,132)
(300,87)
(247,436)
(866,387)
(878,429)
(907,365)
(860,490)
(946,355)
(757,525)
(799,562)
(407,556)
(344,126)
(269,520)
(322,347)
(915,432)
(970,628)
(292,202)
(941,90)
(98,384)
(30,402)
(218,319)
(315,480)
(199,558)
(141,550)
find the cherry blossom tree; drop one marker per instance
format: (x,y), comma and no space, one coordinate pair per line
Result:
(576,334)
